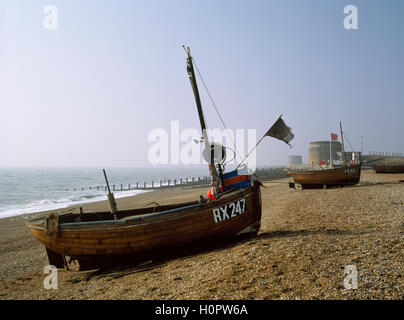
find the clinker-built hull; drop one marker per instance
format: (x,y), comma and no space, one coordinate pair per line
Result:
(141,231)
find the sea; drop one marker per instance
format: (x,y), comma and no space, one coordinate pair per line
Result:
(28,190)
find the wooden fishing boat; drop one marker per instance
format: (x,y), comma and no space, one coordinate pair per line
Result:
(347,174)
(388,168)
(333,177)
(144,230)
(234,209)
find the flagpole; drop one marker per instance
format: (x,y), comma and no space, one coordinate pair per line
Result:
(280,135)
(343,148)
(251,151)
(330,151)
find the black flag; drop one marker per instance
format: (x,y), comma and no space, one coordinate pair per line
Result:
(281,131)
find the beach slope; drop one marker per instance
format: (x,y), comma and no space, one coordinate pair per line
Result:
(307,242)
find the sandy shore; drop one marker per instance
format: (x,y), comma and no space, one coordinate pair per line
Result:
(307,238)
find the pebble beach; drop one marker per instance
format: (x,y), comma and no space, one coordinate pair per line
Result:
(306,241)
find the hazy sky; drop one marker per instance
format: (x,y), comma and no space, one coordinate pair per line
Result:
(90,92)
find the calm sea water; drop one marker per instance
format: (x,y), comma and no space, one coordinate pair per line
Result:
(26,190)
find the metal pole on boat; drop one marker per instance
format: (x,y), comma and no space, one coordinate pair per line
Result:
(194,85)
(330,154)
(256,145)
(111,198)
(343,148)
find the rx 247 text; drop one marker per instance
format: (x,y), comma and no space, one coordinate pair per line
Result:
(229,210)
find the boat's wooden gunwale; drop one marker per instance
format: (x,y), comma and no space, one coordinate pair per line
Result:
(122,214)
(154,217)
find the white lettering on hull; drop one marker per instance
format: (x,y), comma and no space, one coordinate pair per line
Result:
(229,211)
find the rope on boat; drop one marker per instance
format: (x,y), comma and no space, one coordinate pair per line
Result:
(348,141)
(216,109)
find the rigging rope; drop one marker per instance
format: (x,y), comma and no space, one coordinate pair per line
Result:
(217,111)
(348,142)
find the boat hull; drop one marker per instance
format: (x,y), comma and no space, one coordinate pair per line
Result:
(388,168)
(235,213)
(330,177)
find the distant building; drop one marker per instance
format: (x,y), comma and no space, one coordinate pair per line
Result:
(295,161)
(321,151)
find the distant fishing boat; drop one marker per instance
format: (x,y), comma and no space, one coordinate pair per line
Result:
(388,168)
(343,176)
(347,174)
(232,209)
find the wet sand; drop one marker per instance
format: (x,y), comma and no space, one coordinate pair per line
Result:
(306,240)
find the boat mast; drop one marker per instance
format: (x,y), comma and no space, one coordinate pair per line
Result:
(330,154)
(192,79)
(343,148)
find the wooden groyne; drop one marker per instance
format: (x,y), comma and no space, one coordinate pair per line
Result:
(269,174)
(262,174)
(153,185)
